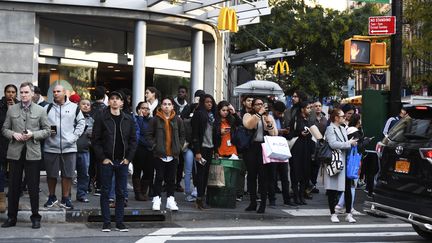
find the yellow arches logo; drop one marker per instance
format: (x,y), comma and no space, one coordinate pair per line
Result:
(227,20)
(281,67)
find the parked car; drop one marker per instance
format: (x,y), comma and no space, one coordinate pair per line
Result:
(403,186)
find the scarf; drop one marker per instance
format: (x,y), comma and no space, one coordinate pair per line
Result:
(181,107)
(168,130)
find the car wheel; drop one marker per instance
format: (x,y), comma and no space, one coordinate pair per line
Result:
(423,233)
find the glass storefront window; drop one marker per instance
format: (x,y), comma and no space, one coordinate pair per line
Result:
(75,79)
(78,36)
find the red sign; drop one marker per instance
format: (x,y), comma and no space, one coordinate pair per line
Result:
(382,25)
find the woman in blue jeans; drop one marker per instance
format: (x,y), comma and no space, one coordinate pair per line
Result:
(83,154)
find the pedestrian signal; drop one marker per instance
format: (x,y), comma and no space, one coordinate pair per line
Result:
(357,52)
(227,20)
(281,68)
(378,53)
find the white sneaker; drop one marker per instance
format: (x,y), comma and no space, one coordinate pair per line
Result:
(171,204)
(355,212)
(194,192)
(349,218)
(156,203)
(339,209)
(334,218)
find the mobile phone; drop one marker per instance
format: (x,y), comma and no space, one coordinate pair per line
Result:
(54,128)
(202,161)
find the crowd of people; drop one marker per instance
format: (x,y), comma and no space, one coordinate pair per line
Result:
(167,141)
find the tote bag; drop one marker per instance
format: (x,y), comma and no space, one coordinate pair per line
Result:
(353,164)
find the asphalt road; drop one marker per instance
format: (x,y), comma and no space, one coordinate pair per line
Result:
(296,229)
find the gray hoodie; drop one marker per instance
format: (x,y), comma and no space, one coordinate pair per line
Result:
(69,128)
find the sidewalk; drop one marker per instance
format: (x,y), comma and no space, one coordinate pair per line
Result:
(141,211)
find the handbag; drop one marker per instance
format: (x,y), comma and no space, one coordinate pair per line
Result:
(323,152)
(353,164)
(242,138)
(267,159)
(216,176)
(277,147)
(336,164)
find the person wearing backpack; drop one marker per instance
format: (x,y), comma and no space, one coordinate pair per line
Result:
(261,123)
(67,124)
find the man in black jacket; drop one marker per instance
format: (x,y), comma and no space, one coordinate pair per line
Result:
(114,143)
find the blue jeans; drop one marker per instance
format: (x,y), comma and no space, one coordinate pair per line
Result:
(120,173)
(188,166)
(83,178)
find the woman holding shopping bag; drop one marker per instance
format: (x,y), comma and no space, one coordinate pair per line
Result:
(263,124)
(300,163)
(337,138)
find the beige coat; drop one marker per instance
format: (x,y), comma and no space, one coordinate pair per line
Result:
(17,120)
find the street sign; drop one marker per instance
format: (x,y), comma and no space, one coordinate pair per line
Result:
(382,25)
(378,78)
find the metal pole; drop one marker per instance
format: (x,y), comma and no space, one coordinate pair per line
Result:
(197,62)
(396,60)
(138,85)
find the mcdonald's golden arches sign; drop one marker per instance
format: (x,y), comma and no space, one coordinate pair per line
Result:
(227,20)
(281,67)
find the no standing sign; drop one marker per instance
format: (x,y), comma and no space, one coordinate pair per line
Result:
(382,25)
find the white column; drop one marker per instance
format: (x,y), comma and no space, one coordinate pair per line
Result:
(138,85)
(197,62)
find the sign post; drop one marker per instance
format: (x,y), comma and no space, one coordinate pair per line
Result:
(382,25)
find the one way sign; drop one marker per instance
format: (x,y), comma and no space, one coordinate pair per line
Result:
(382,25)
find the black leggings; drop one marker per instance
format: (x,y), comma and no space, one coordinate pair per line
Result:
(144,164)
(333,197)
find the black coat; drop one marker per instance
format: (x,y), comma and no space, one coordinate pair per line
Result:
(104,135)
(302,150)
(199,124)
(4,142)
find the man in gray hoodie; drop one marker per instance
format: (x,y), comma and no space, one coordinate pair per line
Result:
(67,124)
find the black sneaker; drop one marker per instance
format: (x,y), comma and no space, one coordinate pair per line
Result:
(121,227)
(106,227)
(66,203)
(52,200)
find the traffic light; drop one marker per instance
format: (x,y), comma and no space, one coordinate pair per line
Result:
(378,53)
(357,52)
(281,67)
(227,20)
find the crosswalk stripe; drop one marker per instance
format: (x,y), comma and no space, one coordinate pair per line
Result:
(166,234)
(286,236)
(308,212)
(296,227)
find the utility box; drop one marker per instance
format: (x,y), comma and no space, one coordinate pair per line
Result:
(374,114)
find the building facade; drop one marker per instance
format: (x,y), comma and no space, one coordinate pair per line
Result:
(118,44)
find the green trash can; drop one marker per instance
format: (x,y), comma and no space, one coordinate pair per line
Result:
(225,197)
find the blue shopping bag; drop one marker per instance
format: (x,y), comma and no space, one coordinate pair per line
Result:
(353,165)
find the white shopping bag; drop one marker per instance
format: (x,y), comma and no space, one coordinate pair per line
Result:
(277,147)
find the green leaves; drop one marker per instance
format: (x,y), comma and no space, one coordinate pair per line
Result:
(316,34)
